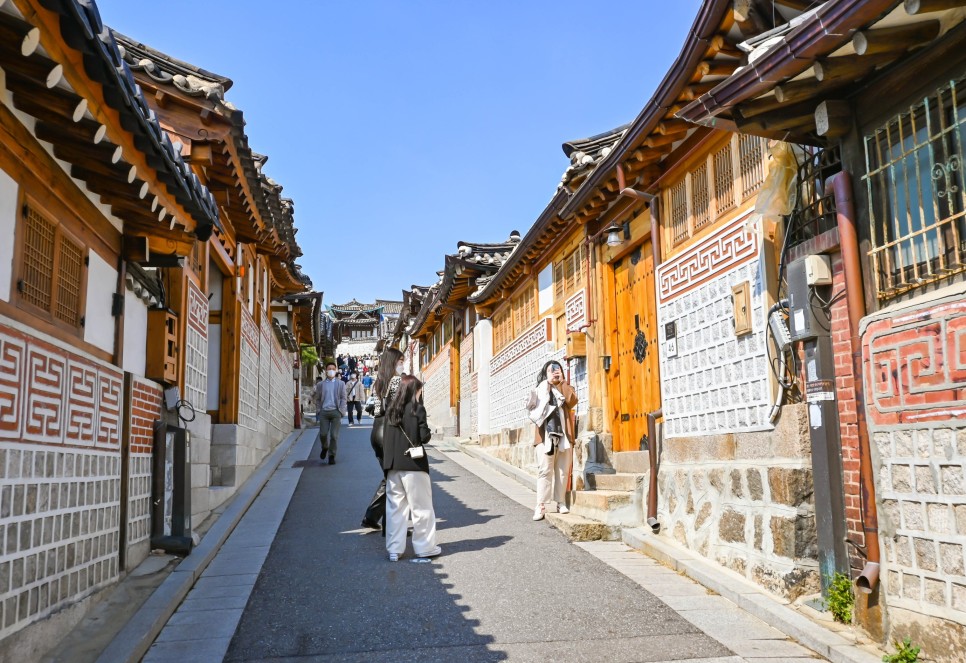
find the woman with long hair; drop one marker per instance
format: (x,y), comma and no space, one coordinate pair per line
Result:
(408,488)
(551,409)
(387,381)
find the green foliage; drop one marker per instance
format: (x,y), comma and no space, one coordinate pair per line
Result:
(840,598)
(905,652)
(310,357)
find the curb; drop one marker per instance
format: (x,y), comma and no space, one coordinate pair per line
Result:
(733,587)
(133,641)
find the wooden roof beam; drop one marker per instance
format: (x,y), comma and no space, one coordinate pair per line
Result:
(914,7)
(896,39)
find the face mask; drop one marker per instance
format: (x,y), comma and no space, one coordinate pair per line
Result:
(400,369)
(331,374)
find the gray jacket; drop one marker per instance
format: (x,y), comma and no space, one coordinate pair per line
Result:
(339,395)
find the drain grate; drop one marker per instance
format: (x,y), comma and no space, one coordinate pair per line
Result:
(311,462)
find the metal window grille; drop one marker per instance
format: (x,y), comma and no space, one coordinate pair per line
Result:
(724,180)
(69,282)
(679,211)
(700,196)
(916,195)
(814,211)
(751,164)
(38,260)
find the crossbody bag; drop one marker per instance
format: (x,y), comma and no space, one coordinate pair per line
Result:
(414,451)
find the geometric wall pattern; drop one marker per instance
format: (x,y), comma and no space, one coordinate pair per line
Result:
(248,374)
(196,348)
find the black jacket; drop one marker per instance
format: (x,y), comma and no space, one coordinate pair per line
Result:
(395,444)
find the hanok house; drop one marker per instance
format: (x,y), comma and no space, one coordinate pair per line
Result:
(874,90)
(357,327)
(236,369)
(443,327)
(104,210)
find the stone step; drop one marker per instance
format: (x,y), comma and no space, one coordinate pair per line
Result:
(623,482)
(611,507)
(631,462)
(602,499)
(578,528)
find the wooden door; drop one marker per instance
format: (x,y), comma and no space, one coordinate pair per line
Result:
(635,383)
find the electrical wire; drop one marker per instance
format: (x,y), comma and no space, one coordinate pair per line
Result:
(182,404)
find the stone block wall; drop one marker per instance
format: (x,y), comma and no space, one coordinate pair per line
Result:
(467,425)
(716,382)
(745,501)
(915,372)
(60,475)
(436,393)
(144,408)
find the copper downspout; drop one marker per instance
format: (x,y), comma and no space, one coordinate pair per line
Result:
(841,185)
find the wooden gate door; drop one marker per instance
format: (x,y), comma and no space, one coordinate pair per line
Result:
(635,383)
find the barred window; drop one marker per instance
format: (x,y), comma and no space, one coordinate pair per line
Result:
(708,191)
(569,278)
(51,276)
(916,196)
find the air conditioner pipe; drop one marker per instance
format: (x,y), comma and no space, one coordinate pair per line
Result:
(654,460)
(841,186)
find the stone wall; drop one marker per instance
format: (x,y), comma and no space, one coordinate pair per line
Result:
(716,382)
(60,475)
(916,395)
(744,500)
(467,396)
(436,393)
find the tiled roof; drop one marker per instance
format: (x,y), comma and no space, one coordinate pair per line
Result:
(586,153)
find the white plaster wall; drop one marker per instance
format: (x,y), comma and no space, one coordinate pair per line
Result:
(101,285)
(717,383)
(8,221)
(214,367)
(216,281)
(135,334)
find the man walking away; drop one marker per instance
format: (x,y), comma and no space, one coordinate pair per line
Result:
(355,396)
(332,407)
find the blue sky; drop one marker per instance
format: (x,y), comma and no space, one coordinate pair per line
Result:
(400,128)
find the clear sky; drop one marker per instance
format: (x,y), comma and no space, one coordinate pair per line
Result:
(402,127)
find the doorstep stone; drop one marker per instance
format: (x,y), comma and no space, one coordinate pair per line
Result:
(578,528)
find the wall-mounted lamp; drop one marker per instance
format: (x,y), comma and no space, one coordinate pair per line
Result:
(606,360)
(614,234)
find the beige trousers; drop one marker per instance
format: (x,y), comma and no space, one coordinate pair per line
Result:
(553,471)
(410,491)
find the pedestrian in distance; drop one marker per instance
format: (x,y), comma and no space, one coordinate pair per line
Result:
(551,409)
(355,394)
(383,390)
(330,395)
(408,487)
(367,383)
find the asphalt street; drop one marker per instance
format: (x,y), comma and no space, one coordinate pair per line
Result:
(505,587)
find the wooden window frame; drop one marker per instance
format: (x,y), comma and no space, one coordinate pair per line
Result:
(62,228)
(746,179)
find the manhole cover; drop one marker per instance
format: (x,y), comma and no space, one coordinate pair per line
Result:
(312,462)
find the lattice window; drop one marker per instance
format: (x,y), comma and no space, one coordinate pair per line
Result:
(724,180)
(914,182)
(569,274)
(751,164)
(559,287)
(679,211)
(36,286)
(701,196)
(502,328)
(69,282)
(51,280)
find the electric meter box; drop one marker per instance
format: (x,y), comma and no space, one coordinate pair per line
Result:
(818,270)
(802,321)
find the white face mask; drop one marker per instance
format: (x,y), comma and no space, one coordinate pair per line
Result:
(400,369)
(331,374)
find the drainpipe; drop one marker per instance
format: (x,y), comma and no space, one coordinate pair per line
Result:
(841,185)
(653,458)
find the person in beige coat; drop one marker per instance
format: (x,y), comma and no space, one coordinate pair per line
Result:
(551,409)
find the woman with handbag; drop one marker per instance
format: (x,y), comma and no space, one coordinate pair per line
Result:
(387,382)
(408,488)
(550,408)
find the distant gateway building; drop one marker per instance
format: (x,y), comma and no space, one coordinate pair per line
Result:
(358,327)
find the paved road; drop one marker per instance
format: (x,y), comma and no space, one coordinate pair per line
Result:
(505,588)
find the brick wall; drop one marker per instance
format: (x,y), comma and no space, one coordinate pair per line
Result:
(60,474)
(848,427)
(436,392)
(145,408)
(915,376)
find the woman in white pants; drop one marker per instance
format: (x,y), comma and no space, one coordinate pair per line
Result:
(550,408)
(408,489)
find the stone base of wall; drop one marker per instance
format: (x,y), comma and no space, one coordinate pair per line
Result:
(745,501)
(942,640)
(236,451)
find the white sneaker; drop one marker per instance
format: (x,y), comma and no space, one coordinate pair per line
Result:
(393,557)
(562,508)
(538,513)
